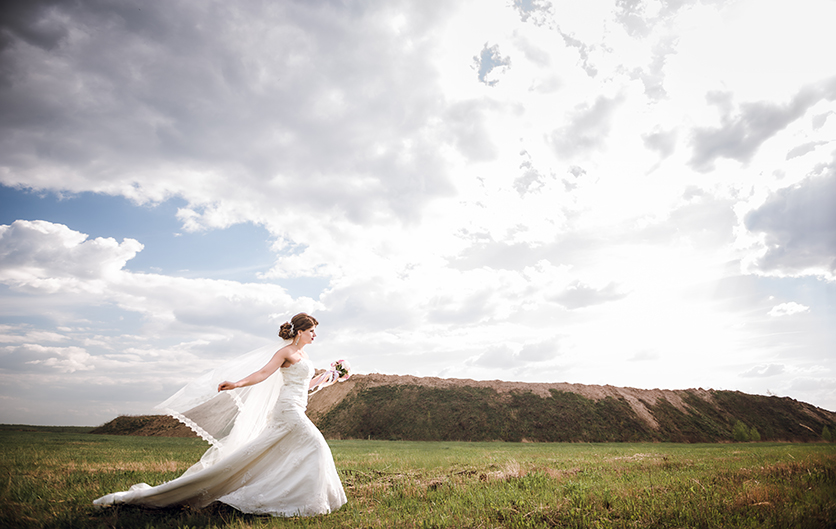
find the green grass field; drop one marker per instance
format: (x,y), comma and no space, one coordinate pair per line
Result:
(49,479)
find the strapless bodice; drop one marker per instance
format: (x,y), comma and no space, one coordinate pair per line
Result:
(296,379)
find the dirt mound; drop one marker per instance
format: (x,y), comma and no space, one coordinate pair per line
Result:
(638,399)
(381,406)
(145,425)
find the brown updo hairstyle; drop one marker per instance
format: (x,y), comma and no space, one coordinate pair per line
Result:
(300,322)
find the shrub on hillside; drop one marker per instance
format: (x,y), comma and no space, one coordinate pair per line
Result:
(741,432)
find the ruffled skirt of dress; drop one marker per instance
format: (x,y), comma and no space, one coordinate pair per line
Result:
(288,470)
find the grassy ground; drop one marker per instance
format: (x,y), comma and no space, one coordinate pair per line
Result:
(48,479)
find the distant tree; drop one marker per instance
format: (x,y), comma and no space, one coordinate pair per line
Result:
(740,432)
(754,435)
(826,435)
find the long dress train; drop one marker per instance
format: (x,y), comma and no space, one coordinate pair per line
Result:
(286,470)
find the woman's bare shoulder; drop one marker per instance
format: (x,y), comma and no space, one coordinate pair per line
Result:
(284,352)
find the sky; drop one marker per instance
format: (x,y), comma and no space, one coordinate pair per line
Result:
(625,192)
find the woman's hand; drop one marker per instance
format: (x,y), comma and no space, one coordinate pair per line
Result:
(223,386)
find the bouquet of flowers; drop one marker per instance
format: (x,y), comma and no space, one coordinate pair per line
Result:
(340,372)
(343,368)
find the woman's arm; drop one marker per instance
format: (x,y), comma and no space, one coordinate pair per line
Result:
(317,380)
(260,375)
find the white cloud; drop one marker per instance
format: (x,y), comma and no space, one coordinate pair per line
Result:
(644,356)
(26,334)
(540,351)
(578,295)
(68,361)
(764,371)
(787,309)
(45,256)
(538,12)
(26,357)
(739,137)
(799,228)
(501,357)
(587,129)
(62,265)
(713,44)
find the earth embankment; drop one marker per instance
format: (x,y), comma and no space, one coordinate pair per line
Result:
(380,406)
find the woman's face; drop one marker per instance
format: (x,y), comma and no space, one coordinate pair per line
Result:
(307,336)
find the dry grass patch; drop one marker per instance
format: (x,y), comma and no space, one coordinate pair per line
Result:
(126,466)
(757,494)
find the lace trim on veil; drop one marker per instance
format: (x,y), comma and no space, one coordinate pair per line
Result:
(203,434)
(231,418)
(238,400)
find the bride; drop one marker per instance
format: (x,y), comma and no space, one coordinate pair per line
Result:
(266,456)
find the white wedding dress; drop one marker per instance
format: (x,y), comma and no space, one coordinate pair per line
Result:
(282,467)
